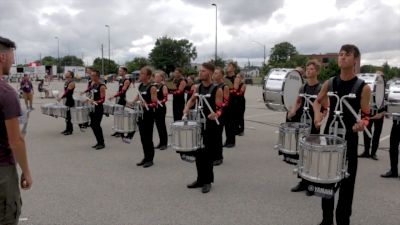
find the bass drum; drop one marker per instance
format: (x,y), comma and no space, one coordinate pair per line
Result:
(377,85)
(281,88)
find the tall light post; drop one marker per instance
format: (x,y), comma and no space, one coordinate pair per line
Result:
(109,48)
(263,45)
(58,52)
(216,31)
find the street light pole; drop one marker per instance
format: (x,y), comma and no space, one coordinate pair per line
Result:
(216,31)
(263,45)
(58,52)
(109,48)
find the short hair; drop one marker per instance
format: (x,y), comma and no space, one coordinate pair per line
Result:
(220,69)
(6,44)
(349,48)
(208,66)
(232,64)
(149,72)
(124,68)
(315,63)
(180,70)
(71,73)
(97,72)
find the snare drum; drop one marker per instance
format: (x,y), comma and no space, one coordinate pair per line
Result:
(289,135)
(394,98)
(377,85)
(47,109)
(125,121)
(59,110)
(80,115)
(281,89)
(186,136)
(81,101)
(322,159)
(108,108)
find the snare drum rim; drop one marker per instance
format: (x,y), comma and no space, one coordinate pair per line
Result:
(323,148)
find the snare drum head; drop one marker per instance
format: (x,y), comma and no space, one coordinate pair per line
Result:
(322,140)
(181,123)
(291,87)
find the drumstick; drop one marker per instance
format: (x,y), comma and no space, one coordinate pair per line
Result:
(356,116)
(144,102)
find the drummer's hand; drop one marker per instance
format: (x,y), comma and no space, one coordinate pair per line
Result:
(185,111)
(291,114)
(110,98)
(212,116)
(317,124)
(58,99)
(184,117)
(358,126)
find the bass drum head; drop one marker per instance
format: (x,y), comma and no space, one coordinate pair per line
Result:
(291,87)
(379,95)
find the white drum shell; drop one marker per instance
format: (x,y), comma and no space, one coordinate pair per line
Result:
(289,135)
(80,101)
(80,115)
(186,136)
(59,110)
(281,89)
(125,122)
(322,158)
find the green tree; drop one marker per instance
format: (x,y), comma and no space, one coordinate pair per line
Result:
(281,54)
(368,69)
(332,69)
(71,60)
(98,65)
(137,63)
(220,62)
(49,61)
(169,53)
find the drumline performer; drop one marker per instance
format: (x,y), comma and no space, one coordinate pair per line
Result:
(178,100)
(230,128)
(161,110)
(239,88)
(376,121)
(190,87)
(394,148)
(88,92)
(123,86)
(69,88)
(311,87)
(210,130)
(218,78)
(348,83)
(99,96)
(147,92)
(12,143)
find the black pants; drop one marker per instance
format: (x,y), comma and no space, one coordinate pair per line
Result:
(204,158)
(240,115)
(378,124)
(230,125)
(160,123)
(394,146)
(69,127)
(346,190)
(178,104)
(95,122)
(146,124)
(218,152)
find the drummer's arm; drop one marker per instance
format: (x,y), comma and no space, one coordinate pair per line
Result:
(71,86)
(190,103)
(225,99)
(102,95)
(321,101)
(365,98)
(165,94)
(154,99)
(218,103)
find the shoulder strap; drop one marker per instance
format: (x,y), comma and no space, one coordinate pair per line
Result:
(330,84)
(359,83)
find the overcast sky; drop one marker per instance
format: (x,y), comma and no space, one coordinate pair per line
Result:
(312,26)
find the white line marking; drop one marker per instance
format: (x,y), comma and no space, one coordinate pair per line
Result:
(23,219)
(384,138)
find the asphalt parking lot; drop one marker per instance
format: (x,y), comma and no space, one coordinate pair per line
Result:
(76,185)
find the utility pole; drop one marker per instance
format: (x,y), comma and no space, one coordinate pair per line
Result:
(216,31)
(102,60)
